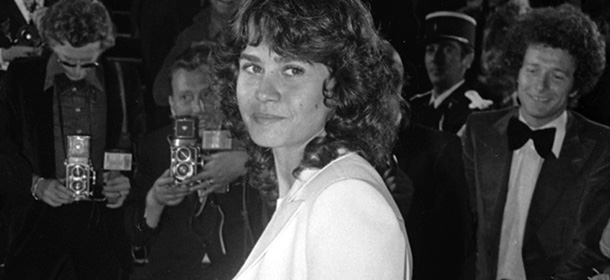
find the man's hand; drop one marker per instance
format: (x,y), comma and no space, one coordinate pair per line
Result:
(17,51)
(164,192)
(116,188)
(220,170)
(52,192)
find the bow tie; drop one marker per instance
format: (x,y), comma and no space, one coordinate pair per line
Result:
(519,133)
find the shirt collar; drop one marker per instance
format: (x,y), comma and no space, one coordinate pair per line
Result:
(25,12)
(559,124)
(55,68)
(437,100)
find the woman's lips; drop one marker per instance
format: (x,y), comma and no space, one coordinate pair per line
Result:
(265,118)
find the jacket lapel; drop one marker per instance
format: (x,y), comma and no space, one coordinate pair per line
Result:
(556,175)
(497,172)
(285,213)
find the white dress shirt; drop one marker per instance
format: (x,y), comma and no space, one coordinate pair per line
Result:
(524,171)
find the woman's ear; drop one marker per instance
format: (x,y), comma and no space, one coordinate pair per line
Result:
(329,86)
(328,91)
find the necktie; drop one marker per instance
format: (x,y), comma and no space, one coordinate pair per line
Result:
(519,133)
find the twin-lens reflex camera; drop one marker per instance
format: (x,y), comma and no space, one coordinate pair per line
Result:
(188,146)
(80,175)
(186,155)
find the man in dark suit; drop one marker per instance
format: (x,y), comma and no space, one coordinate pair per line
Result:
(430,190)
(437,219)
(198,231)
(539,173)
(450,38)
(72,92)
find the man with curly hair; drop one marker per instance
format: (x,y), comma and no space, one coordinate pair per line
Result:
(539,173)
(69,91)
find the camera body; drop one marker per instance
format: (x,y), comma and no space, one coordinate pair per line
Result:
(80,175)
(28,35)
(185,149)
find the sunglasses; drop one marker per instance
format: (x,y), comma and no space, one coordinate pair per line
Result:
(84,65)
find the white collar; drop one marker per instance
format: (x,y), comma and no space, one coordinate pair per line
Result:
(437,100)
(25,12)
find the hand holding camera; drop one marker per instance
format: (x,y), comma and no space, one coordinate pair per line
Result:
(164,192)
(220,169)
(53,192)
(18,51)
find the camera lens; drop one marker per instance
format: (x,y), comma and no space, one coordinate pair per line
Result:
(183,169)
(77,186)
(183,154)
(78,171)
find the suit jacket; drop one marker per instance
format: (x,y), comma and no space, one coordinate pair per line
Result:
(570,205)
(452,113)
(438,221)
(180,242)
(338,223)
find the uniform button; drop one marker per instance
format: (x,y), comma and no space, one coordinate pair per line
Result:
(77,110)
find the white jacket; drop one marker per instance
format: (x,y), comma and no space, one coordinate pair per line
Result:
(339,222)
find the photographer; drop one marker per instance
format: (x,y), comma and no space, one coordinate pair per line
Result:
(73,93)
(194,228)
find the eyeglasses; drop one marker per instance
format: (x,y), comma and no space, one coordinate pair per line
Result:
(84,65)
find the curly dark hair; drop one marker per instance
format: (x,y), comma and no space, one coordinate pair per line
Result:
(78,22)
(339,34)
(564,27)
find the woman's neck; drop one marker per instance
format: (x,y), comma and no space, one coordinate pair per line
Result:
(285,163)
(287,159)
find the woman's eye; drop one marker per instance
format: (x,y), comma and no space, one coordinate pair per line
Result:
(293,71)
(251,68)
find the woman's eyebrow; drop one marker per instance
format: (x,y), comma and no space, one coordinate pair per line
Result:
(249,57)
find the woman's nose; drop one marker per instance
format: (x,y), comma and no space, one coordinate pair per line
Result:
(267,89)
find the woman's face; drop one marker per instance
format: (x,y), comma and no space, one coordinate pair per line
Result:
(281,100)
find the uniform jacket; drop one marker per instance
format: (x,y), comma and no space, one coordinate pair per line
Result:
(570,205)
(452,113)
(339,223)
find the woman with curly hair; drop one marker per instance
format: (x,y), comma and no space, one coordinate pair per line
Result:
(305,85)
